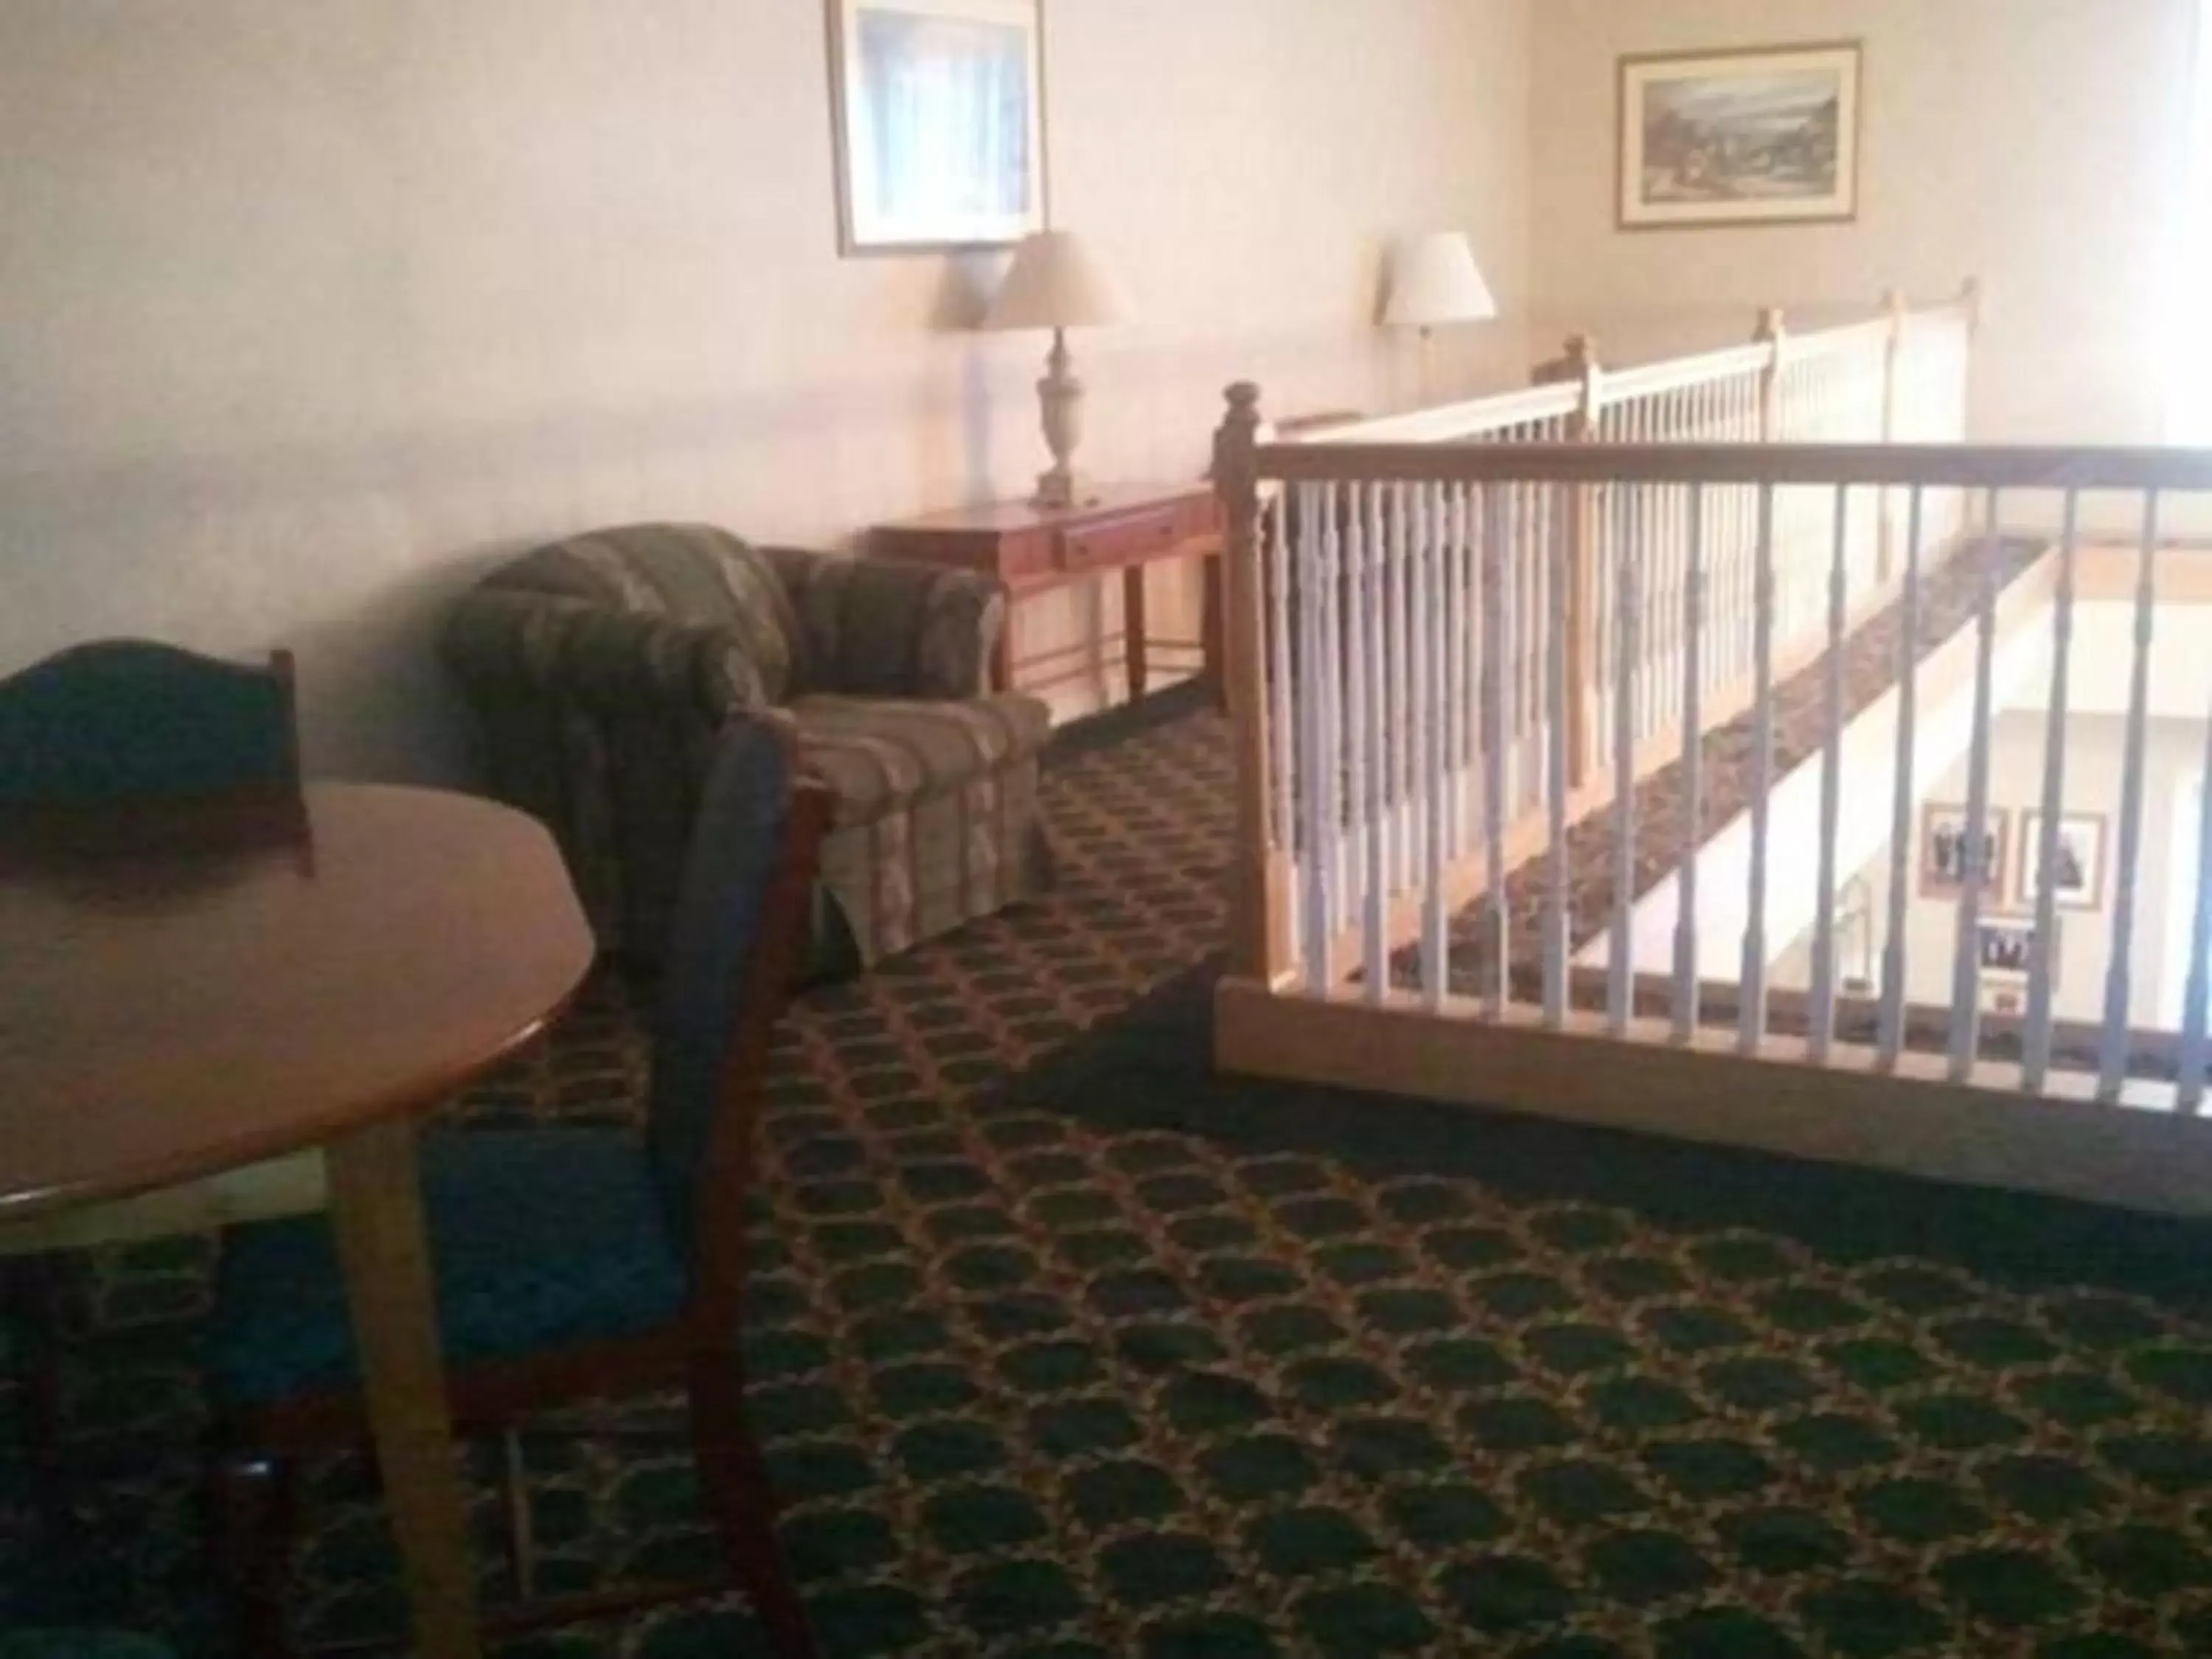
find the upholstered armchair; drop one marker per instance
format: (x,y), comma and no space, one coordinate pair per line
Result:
(602,668)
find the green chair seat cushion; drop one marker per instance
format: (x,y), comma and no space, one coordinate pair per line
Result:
(540,1239)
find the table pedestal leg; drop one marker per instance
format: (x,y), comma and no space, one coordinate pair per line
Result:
(376,1210)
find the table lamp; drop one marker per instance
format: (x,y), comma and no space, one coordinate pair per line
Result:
(1435,282)
(1055,284)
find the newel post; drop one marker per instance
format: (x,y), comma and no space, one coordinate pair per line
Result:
(1892,397)
(1585,513)
(1258,949)
(1773,333)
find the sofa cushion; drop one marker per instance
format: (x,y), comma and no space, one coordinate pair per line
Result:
(879,755)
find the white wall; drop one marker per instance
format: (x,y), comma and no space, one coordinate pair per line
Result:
(308,311)
(2034,143)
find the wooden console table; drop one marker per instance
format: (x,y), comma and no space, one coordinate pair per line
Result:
(1033,551)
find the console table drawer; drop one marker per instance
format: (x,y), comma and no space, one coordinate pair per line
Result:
(1129,538)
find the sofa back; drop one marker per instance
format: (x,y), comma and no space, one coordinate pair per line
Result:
(696,574)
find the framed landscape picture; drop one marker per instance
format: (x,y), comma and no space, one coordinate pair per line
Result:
(1767,136)
(940,107)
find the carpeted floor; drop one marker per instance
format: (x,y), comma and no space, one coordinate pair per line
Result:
(1065,1348)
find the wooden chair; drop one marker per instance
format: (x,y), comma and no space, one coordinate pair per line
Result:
(127,744)
(125,747)
(571,1264)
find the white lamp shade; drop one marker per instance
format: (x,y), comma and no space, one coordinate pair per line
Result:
(1054,282)
(1434,279)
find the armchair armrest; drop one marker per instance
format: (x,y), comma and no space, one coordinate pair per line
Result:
(511,645)
(895,628)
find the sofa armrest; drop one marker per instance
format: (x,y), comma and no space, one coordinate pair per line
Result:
(895,627)
(515,645)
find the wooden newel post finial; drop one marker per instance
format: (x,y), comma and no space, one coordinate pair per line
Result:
(1233,444)
(1899,311)
(1583,368)
(1773,330)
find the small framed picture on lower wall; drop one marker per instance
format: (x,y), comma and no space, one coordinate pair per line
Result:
(2005,948)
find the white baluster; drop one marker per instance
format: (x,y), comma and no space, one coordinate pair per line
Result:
(1831,763)
(2035,1056)
(1620,979)
(1751,1033)
(2189,1063)
(1459,642)
(1353,713)
(1329,694)
(1360,722)
(1497,685)
(1693,755)
(1392,732)
(1437,619)
(1428,695)
(1965,958)
(1374,632)
(1890,1039)
(1314,502)
(2111,1073)
(1281,725)
(1555,791)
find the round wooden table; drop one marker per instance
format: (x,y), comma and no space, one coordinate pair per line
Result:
(167,1018)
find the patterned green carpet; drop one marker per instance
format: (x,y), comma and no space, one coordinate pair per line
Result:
(1066,1348)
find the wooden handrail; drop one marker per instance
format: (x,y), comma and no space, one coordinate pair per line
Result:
(1933,466)
(1577,388)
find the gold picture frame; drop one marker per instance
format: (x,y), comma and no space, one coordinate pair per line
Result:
(1757,135)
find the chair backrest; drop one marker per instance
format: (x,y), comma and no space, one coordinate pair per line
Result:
(737,942)
(691,573)
(100,733)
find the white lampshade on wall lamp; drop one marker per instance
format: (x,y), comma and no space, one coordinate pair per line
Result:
(1056,282)
(1435,282)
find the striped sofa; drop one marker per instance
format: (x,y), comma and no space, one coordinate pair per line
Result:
(601,668)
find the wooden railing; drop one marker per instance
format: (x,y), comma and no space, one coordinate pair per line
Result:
(1594,574)
(1430,828)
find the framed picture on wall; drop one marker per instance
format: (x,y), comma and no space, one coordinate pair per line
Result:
(2004,948)
(939,109)
(2078,871)
(1946,854)
(1768,136)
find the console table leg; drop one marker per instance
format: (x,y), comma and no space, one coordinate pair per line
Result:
(1134,629)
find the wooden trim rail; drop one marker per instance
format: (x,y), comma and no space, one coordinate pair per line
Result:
(1928,466)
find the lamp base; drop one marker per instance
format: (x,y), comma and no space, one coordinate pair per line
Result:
(1061,396)
(1061,490)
